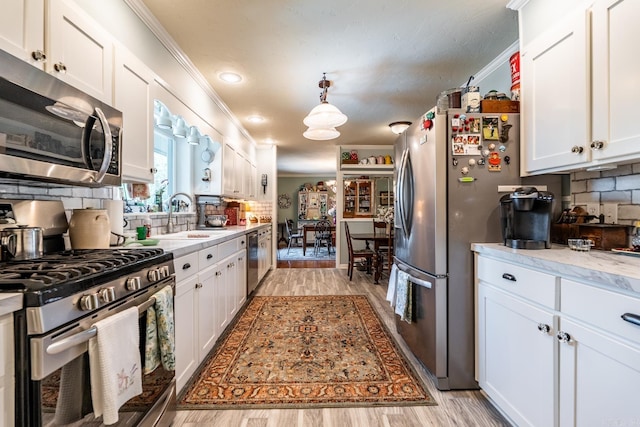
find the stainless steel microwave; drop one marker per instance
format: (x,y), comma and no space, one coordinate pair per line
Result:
(50,131)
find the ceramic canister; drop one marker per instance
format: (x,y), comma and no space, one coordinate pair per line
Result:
(89,229)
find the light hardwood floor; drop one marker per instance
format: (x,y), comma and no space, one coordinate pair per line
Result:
(455,408)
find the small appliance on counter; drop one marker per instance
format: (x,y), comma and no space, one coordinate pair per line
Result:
(526,218)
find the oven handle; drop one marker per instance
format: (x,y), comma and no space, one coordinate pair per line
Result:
(84,336)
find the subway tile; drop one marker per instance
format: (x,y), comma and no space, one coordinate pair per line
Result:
(601,184)
(630,212)
(615,197)
(629,182)
(582,198)
(619,171)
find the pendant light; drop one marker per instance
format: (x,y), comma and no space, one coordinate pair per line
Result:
(324,118)
(194,136)
(180,128)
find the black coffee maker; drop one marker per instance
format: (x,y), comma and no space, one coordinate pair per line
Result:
(525,217)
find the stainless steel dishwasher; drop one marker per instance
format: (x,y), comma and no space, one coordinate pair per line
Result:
(252,264)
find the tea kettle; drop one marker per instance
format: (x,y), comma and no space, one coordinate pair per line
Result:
(89,229)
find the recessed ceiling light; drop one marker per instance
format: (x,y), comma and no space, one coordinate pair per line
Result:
(230,77)
(270,141)
(255,119)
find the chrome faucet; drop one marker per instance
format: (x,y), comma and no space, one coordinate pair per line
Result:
(170,225)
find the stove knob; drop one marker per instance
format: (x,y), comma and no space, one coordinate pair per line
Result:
(89,302)
(153,275)
(107,294)
(133,283)
(165,271)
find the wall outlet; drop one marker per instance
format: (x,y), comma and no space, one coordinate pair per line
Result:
(593,209)
(610,211)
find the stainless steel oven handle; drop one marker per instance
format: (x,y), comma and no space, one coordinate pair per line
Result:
(108,145)
(86,335)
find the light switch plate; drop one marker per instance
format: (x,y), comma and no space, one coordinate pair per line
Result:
(610,211)
(593,209)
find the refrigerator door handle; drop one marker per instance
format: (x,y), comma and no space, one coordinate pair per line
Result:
(399,200)
(405,193)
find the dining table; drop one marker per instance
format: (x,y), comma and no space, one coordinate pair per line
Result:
(311,227)
(378,239)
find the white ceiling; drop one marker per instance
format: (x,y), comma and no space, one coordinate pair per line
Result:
(387,61)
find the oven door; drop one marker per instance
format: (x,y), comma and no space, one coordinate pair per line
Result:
(60,383)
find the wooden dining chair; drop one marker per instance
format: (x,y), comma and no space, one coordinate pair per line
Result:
(380,227)
(291,235)
(356,254)
(323,236)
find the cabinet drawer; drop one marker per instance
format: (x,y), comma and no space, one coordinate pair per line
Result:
(230,247)
(186,266)
(531,284)
(601,308)
(242,242)
(207,257)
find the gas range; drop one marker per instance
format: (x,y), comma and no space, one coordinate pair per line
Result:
(64,286)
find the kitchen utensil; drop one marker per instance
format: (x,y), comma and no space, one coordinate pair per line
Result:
(89,229)
(21,243)
(216,220)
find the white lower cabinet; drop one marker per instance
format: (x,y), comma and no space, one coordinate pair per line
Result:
(210,290)
(515,348)
(573,363)
(7,381)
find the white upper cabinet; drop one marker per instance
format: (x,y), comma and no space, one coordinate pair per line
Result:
(616,83)
(579,88)
(79,51)
(61,40)
(22,30)
(555,97)
(133,96)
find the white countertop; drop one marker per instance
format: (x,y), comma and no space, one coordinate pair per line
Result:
(188,245)
(10,303)
(603,268)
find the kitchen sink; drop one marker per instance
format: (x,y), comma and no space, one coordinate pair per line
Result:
(191,235)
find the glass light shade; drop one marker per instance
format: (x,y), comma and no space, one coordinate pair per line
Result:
(399,127)
(321,134)
(180,128)
(325,116)
(194,136)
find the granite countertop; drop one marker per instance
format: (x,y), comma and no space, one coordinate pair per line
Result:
(180,247)
(603,268)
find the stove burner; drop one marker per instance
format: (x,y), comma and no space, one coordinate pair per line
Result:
(73,269)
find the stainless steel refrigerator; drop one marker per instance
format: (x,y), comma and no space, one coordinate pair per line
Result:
(448,171)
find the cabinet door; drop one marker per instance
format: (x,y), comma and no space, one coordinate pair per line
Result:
(230,286)
(555,97)
(206,298)
(7,391)
(615,78)
(79,52)
(247,191)
(599,378)
(241,279)
(22,29)
(516,358)
(186,330)
(228,171)
(132,95)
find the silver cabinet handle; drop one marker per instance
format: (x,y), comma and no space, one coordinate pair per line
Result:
(577,149)
(631,318)
(597,145)
(544,328)
(563,337)
(509,276)
(39,56)
(60,67)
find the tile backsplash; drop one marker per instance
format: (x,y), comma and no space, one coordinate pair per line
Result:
(620,186)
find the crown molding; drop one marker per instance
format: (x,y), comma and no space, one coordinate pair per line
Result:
(497,62)
(148,19)
(517,4)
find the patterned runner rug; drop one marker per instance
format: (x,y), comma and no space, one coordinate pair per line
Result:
(298,351)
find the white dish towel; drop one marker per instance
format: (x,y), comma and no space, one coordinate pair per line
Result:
(391,289)
(114,361)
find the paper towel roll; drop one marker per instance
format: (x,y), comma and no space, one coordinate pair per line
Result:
(115,210)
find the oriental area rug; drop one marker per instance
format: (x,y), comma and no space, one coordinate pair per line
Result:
(305,351)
